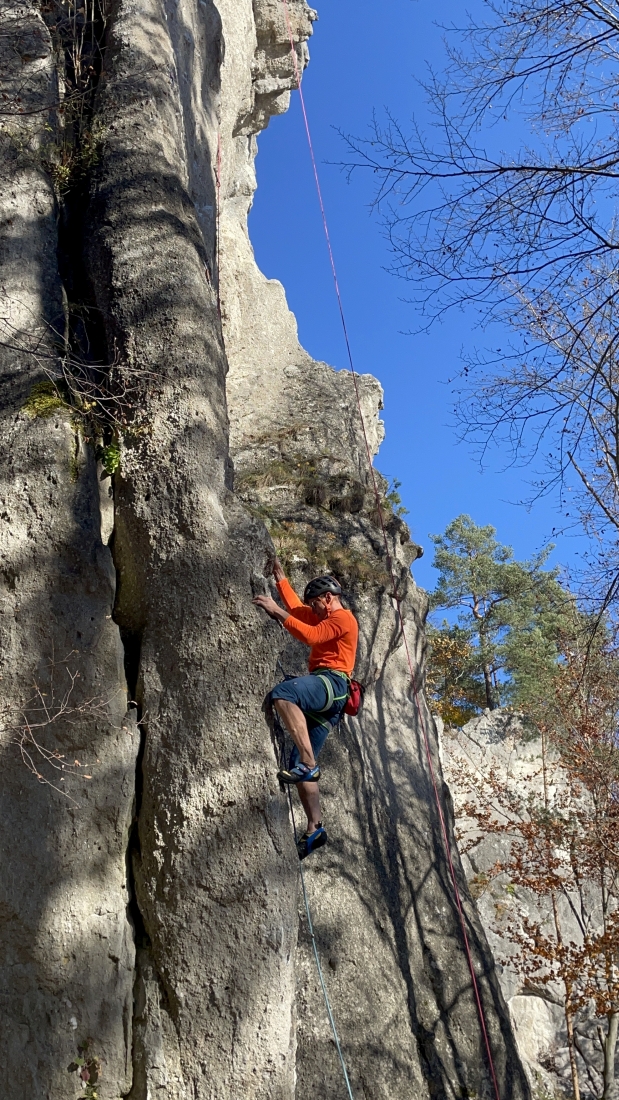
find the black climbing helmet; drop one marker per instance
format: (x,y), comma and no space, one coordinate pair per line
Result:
(320,586)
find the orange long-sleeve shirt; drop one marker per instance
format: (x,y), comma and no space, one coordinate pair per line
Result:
(332,641)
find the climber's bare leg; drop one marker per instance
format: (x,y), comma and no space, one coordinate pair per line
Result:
(310,800)
(294,721)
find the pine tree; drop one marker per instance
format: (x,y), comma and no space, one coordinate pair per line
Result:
(510,615)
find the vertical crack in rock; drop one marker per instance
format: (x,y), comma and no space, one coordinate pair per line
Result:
(78,35)
(213,861)
(80,55)
(67,955)
(153,1039)
(88,352)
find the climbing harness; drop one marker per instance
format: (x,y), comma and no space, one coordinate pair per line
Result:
(330,690)
(355,378)
(354,694)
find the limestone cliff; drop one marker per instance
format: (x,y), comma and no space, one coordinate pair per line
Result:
(163,430)
(498,748)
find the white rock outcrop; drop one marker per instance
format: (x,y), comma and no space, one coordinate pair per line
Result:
(497,745)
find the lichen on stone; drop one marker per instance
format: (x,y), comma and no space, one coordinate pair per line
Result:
(45,399)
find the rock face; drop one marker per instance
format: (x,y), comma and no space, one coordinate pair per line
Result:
(213,863)
(149,921)
(496,744)
(380,894)
(67,946)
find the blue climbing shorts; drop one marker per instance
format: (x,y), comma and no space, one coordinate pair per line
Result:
(311,694)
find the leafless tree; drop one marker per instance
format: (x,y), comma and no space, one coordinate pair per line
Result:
(31,729)
(527,236)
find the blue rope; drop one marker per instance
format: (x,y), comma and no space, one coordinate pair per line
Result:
(317,958)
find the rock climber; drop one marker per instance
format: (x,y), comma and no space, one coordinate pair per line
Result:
(310,706)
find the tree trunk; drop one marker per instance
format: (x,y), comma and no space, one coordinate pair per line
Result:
(610,1045)
(569,1020)
(488,685)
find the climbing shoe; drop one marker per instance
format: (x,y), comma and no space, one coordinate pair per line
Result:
(309,842)
(301,773)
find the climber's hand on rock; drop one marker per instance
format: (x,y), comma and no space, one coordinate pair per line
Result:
(271,607)
(275,567)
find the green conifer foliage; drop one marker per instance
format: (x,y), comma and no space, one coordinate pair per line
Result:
(505,645)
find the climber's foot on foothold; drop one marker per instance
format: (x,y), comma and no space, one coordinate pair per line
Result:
(310,842)
(301,773)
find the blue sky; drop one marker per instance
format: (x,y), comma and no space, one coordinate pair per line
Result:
(363,61)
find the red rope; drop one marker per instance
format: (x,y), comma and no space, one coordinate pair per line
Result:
(355,377)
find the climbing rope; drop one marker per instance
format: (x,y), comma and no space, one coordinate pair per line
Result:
(282,753)
(218,220)
(317,958)
(355,378)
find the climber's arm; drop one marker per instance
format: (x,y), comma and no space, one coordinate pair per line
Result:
(291,601)
(272,608)
(288,594)
(320,631)
(294,607)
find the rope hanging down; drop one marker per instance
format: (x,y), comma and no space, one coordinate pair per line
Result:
(281,737)
(355,378)
(317,958)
